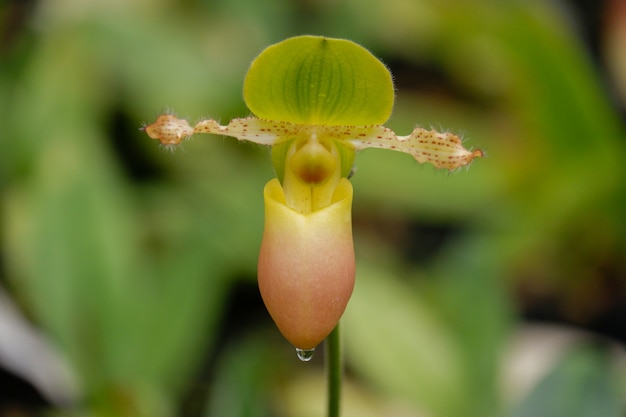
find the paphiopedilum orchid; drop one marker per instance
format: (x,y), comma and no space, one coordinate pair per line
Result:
(316,101)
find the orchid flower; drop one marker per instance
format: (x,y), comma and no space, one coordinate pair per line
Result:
(316,101)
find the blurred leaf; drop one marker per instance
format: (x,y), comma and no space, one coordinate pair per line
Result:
(397,342)
(127,318)
(467,291)
(582,384)
(243,378)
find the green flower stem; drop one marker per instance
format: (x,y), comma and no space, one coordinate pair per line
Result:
(334,371)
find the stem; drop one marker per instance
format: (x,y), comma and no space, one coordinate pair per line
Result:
(334,371)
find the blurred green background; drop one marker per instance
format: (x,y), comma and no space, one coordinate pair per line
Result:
(128,272)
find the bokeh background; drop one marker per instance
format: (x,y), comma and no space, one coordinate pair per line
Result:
(127,273)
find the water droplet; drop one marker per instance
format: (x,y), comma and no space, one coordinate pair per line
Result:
(305,355)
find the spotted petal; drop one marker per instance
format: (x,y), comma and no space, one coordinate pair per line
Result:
(170,130)
(443,150)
